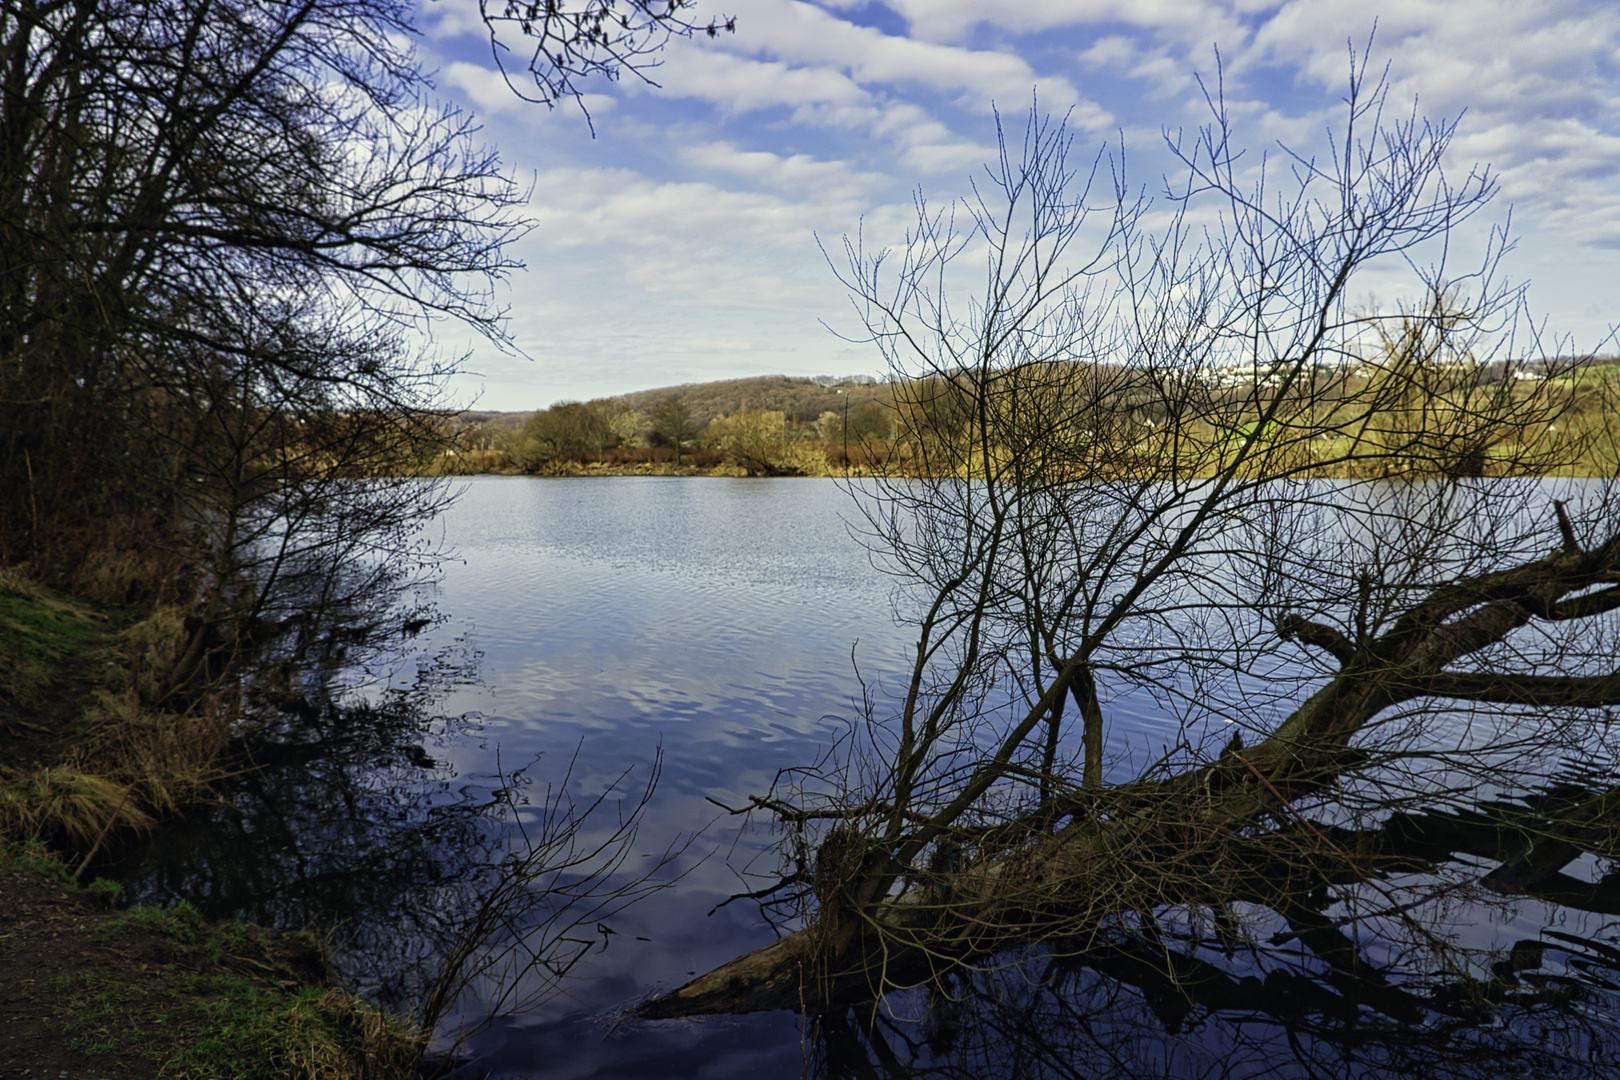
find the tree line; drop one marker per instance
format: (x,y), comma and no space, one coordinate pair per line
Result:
(674,428)
(1391,388)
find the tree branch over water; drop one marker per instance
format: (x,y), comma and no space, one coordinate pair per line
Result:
(1167,458)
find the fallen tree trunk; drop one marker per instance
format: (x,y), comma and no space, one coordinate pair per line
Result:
(918,936)
(1158,854)
(1185,840)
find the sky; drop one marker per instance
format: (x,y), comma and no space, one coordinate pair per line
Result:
(677,233)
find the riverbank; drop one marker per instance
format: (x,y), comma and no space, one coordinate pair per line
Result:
(88,990)
(493,464)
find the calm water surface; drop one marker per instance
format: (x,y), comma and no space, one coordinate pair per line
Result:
(719,621)
(719,624)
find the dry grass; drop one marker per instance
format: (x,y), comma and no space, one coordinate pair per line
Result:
(171,760)
(147,652)
(116,759)
(340,1038)
(67,805)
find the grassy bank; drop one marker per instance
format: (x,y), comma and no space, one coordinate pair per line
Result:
(94,750)
(152,993)
(92,991)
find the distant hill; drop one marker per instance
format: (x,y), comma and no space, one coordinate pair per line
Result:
(803,400)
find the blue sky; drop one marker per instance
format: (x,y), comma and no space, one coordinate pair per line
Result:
(679,244)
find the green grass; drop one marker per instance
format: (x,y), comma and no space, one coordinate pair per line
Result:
(40,635)
(224,1004)
(220,1026)
(164,991)
(182,923)
(33,856)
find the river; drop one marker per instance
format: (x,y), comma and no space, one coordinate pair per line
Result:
(722,629)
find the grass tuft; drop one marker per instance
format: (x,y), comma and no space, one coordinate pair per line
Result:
(30,854)
(62,804)
(169,759)
(149,651)
(182,922)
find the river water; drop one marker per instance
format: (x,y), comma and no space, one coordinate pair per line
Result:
(724,629)
(712,621)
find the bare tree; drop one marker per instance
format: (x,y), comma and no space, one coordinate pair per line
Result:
(169,172)
(1163,462)
(564,45)
(299,489)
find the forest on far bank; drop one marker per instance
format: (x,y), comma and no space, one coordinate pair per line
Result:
(778,425)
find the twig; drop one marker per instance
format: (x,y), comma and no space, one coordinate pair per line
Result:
(760,894)
(105,829)
(1335,848)
(804,1027)
(1571,545)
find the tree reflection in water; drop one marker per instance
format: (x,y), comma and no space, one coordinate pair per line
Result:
(356,824)
(347,818)
(1305,999)
(1124,1012)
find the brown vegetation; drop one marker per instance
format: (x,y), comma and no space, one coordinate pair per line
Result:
(1551,416)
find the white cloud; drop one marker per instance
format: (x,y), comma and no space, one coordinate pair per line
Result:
(451,19)
(486,89)
(1167,76)
(692,256)
(492,96)
(1481,54)
(740,85)
(820,97)
(1537,82)
(697,242)
(713,346)
(800,173)
(802,34)
(1190,21)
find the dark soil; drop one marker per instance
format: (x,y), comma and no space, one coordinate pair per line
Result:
(49,928)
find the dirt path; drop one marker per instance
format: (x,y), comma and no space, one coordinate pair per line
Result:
(53,935)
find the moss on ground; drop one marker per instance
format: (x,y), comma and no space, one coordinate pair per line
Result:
(146,994)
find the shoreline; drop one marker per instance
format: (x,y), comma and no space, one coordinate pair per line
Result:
(140,993)
(148,993)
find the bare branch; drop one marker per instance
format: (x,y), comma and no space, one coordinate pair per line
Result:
(1297,627)
(1534,691)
